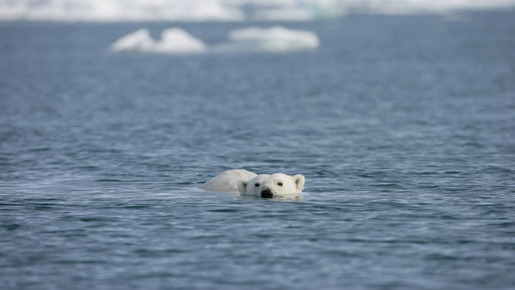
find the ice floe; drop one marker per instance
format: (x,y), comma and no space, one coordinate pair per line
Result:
(173,41)
(274,39)
(137,41)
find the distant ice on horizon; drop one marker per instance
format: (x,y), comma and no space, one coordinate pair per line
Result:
(301,12)
(119,10)
(225,10)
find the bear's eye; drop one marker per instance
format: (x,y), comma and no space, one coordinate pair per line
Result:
(280,183)
(256,185)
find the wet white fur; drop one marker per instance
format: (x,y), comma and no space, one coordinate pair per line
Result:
(228,180)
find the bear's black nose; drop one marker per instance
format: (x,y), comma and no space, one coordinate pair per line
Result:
(266,193)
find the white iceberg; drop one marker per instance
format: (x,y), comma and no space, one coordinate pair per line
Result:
(173,41)
(138,41)
(274,39)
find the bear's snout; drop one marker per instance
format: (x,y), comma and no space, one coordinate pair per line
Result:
(267,193)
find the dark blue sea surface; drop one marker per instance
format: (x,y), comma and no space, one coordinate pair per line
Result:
(404,127)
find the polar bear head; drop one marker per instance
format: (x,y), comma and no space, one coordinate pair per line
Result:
(251,186)
(275,185)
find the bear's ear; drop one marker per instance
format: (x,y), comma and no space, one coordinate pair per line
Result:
(299,181)
(242,187)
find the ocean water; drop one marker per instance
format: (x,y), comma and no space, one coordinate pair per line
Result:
(404,127)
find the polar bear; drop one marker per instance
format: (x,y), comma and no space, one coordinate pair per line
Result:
(275,185)
(263,185)
(228,180)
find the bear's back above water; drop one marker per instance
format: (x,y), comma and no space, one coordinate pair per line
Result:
(228,180)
